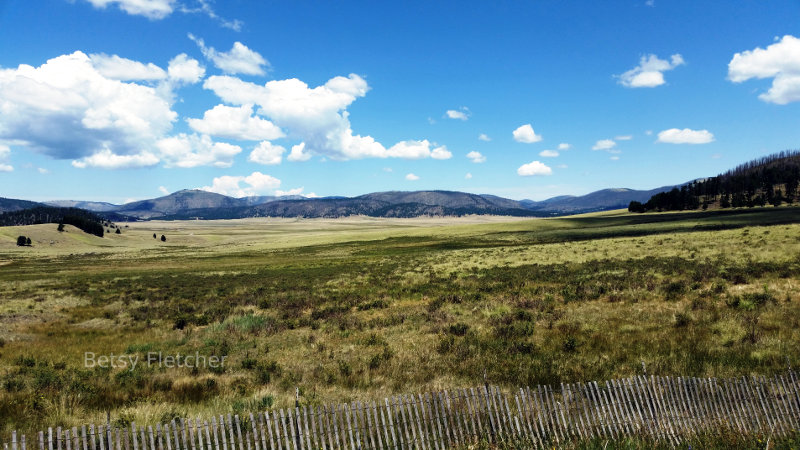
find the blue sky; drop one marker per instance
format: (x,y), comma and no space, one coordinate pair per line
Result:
(117,100)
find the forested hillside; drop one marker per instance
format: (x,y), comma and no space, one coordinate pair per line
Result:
(770,180)
(82,219)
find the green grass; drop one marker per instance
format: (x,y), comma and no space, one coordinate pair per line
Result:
(363,308)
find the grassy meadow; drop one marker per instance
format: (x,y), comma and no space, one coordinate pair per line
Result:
(362,308)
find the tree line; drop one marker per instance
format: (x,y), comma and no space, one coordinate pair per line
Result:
(773,179)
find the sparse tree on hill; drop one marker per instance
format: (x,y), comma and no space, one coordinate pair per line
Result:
(163,238)
(28,242)
(61,226)
(154,236)
(118,232)
(22,241)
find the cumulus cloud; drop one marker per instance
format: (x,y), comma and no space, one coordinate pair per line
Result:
(295,191)
(526,135)
(238,60)
(318,117)
(267,153)
(476,157)
(412,177)
(604,144)
(163,190)
(67,109)
(5,151)
(650,71)
(235,123)
(564,146)
(685,136)
(548,153)
(468,176)
(299,153)
(484,137)
(256,183)
(534,168)
(105,159)
(186,70)
(123,69)
(458,114)
(779,61)
(192,150)
(152,9)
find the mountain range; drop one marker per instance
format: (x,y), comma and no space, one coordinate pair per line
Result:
(189,204)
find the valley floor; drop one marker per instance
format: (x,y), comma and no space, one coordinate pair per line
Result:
(362,308)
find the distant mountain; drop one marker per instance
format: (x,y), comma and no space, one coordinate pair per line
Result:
(177,202)
(89,206)
(11,204)
(191,204)
(602,200)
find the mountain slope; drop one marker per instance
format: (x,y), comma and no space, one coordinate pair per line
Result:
(176,203)
(89,206)
(12,204)
(773,179)
(601,200)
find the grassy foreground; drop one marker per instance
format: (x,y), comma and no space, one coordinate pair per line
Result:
(363,308)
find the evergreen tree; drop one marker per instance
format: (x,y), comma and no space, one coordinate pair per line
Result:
(22,241)
(163,238)
(61,226)
(28,242)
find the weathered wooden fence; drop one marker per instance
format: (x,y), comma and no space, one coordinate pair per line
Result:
(667,409)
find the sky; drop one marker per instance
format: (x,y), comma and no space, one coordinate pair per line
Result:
(120,100)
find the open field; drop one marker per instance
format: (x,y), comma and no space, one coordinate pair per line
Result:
(361,308)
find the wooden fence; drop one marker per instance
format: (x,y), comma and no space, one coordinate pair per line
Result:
(666,409)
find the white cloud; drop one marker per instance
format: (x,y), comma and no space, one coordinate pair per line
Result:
(476,157)
(239,60)
(42,170)
(388,169)
(650,71)
(458,114)
(123,69)
(614,158)
(256,183)
(299,153)
(604,144)
(548,153)
(685,136)
(267,153)
(4,152)
(184,69)
(152,9)
(235,123)
(648,132)
(441,153)
(163,190)
(564,146)
(526,135)
(318,117)
(484,137)
(626,137)
(779,61)
(468,176)
(412,177)
(534,168)
(205,8)
(188,151)
(105,159)
(295,191)
(67,109)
